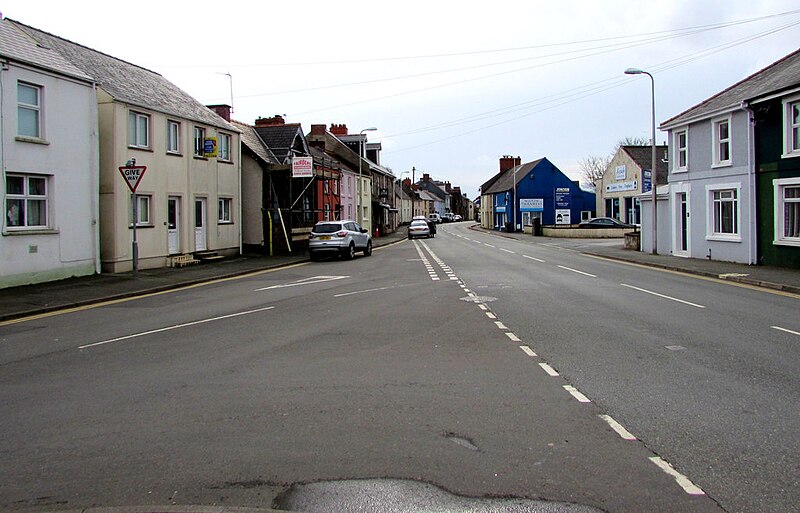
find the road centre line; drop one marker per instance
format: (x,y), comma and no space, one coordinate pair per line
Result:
(177,326)
(616,426)
(528,351)
(787,331)
(549,370)
(365,291)
(576,394)
(576,271)
(662,295)
(491,315)
(513,337)
(533,258)
(682,480)
(305,281)
(489,245)
(508,251)
(500,325)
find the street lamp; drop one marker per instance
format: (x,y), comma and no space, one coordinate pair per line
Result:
(360,186)
(653,180)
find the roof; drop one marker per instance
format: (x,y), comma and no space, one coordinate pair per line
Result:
(505,181)
(126,82)
(643,156)
(427,196)
(251,139)
(281,139)
(18,46)
(780,75)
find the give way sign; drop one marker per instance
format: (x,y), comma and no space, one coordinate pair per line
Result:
(132,175)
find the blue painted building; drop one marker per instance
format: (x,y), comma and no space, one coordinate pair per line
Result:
(537,190)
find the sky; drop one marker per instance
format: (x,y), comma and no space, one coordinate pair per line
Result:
(451,86)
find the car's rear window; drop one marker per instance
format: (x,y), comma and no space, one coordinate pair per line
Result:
(326,228)
(419,223)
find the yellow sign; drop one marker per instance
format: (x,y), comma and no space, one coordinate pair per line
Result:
(210,147)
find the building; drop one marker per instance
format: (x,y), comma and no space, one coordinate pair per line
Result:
(625,179)
(50,182)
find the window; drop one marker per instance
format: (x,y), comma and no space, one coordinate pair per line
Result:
(29,110)
(723,212)
(722,142)
(327,212)
(787,211)
(138,130)
(681,158)
(143,218)
(199,141)
(326,189)
(791,130)
(224,215)
(26,201)
(173,137)
(224,149)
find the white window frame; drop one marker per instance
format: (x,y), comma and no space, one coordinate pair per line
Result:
(173,137)
(326,209)
(36,108)
(791,130)
(25,199)
(225,210)
(711,211)
(199,151)
(778,186)
(224,147)
(135,119)
(676,167)
(144,210)
(718,142)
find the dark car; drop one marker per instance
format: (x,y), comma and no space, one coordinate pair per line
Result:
(605,222)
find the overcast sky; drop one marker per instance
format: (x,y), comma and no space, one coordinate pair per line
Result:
(450,85)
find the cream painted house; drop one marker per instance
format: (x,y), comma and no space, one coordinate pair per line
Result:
(189,197)
(626,177)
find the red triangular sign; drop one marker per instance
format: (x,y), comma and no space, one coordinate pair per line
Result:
(133,175)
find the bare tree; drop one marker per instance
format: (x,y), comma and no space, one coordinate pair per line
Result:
(592,169)
(632,141)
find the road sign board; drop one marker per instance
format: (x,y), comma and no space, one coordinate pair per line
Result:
(132,175)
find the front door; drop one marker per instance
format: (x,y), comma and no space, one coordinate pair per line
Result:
(200,224)
(682,224)
(173,222)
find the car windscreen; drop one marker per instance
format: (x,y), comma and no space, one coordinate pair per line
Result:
(326,228)
(419,223)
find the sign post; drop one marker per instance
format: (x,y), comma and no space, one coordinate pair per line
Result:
(133,176)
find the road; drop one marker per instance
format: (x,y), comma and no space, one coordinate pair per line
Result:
(482,365)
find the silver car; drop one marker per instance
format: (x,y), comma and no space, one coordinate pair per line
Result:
(343,238)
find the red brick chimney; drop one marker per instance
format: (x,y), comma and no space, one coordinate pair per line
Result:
(407,182)
(317,129)
(426,177)
(338,129)
(276,120)
(223,111)
(507,162)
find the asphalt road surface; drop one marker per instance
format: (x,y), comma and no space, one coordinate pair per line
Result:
(480,365)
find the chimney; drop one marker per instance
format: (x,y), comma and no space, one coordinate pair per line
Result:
(507,162)
(338,129)
(317,129)
(223,111)
(426,177)
(407,182)
(276,120)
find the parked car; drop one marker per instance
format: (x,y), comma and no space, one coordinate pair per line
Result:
(447,217)
(435,218)
(343,238)
(605,222)
(419,228)
(457,218)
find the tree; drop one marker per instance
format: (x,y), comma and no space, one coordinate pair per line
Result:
(593,167)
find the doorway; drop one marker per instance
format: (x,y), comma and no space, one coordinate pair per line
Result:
(200,224)
(173,224)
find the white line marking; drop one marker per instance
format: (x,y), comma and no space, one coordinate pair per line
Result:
(616,426)
(305,281)
(513,337)
(577,271)
(500,325)
(490,245)
(508,251)
(577,395)
(483,307)
(490,315)
(551,371)
(682,480)
(533,258)
(787,331)
(362,291)
(527,350)
(663,296)
(169,328)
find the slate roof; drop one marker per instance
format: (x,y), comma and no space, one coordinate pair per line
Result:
(251,139)
(281,139)
(780,75)
(18,46)
(643,156)
(427,196)
(505,182)
(126,82)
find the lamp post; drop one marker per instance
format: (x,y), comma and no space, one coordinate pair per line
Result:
(653,180)
(514,206)
(360,186)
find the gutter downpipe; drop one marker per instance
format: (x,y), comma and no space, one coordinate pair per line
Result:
(751,187)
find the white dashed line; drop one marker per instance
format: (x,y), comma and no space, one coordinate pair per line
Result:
(483,307)
(784,329)
(616,426)
(682,480)
(663,296)
(507,251)
(490,315)
(576,271)
(549,370)
(490,245)
(577,395)
(527,350)
(533,258)
(513,337)
(500,325)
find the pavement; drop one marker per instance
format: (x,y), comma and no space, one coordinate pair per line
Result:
(28,300)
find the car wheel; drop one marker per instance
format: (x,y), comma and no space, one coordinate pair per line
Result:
(350,252)
(368,249)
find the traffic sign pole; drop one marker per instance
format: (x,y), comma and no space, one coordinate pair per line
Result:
(133,176)
(135,244)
